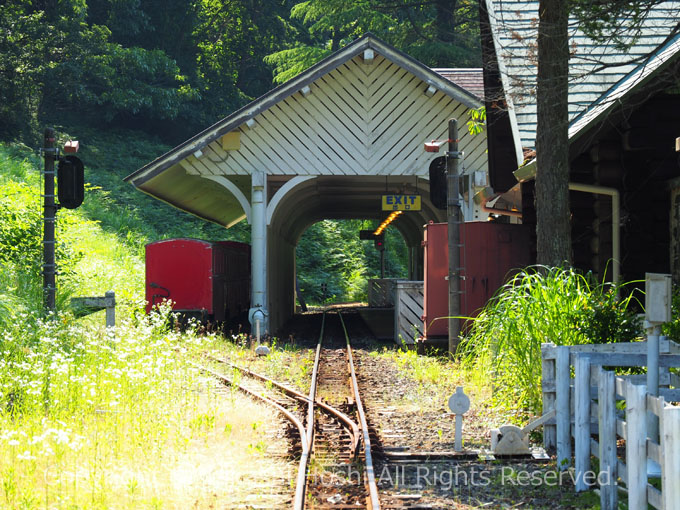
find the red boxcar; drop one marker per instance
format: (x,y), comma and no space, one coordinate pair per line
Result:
(488,253)
(208,280)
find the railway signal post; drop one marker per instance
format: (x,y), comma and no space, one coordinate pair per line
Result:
(49,216)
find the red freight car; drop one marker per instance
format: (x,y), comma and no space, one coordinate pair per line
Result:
(207,280)
(488,253)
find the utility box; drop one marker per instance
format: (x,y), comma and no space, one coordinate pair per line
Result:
(206,280)
(488,255)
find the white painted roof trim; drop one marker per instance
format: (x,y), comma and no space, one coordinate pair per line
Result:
(294,85)
(614,95)
(514,126)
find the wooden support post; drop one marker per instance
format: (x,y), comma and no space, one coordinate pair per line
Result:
(636,444)
(548,379)
(670,448)
(606,405)
(110,299)
(582,422)
(453,211)
(563,407)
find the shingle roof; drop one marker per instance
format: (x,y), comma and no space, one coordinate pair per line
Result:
(596,70)
(471,79)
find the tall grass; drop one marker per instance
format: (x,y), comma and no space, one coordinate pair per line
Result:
(542,304)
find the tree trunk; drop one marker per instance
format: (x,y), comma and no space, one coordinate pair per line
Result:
(553,229)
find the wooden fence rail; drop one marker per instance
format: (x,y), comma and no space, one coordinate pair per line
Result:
(586,404)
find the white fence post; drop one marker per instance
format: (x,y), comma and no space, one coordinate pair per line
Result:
(670,450)
(563,407)
(606,407)
(582,421)
(636,445)
(547,379)
(110,299)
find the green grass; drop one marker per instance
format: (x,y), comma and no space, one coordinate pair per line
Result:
(540,305)
(93,420)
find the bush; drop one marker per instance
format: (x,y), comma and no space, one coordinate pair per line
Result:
(538,305)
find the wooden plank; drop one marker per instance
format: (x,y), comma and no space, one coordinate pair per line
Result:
(670,446)
(655,404)
(189,168)
(433,120)
(416,160)
(594,448)
(621,429)
(653,451)
(621,387)
(410,114)
(301,160)
(670,395)
(330,138)
(623,472)
(353,129)
(629,360)
(300,111)
(607,439)
(548,353)
(582,422)
(636,445)
(655,498)
(562,406)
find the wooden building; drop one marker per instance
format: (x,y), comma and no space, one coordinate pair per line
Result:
(325,145)
(624,111)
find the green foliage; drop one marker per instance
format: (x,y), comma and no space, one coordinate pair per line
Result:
(672,329)
(331,253)
(609,316)
(477,120)
(538,305)
(439,34)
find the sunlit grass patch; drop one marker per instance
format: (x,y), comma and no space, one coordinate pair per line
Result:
(284,363)
(94,420)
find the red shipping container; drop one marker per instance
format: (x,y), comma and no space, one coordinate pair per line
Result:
(203,279)
(489,253)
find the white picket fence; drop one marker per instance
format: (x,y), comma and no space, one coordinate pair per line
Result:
(578,416)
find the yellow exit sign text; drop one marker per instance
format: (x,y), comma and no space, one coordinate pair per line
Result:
(401,202)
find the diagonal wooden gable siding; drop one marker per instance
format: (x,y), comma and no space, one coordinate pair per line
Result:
(360,119)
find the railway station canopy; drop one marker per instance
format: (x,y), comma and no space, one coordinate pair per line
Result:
(325,145)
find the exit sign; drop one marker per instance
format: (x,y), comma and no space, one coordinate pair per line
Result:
(401,202)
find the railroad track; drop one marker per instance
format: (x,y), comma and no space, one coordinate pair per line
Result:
(332,437)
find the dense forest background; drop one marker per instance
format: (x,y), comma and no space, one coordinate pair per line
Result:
(132,78)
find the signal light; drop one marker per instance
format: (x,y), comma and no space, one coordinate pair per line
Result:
(379,244)
(70,182)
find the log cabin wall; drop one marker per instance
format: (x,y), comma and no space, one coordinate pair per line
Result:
(638,158)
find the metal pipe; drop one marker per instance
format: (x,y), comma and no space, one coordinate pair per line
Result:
(258,273)
(616,220)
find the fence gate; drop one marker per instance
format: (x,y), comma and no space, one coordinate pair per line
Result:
(408,311)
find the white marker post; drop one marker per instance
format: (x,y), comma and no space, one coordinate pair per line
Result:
(459,403)
(657,312)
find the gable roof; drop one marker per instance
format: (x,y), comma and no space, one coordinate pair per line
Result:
(471,79)
(278,94)
(600,74)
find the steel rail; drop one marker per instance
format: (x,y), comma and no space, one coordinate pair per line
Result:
(351,427)
(291,417)
(299,500)
(370,473)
